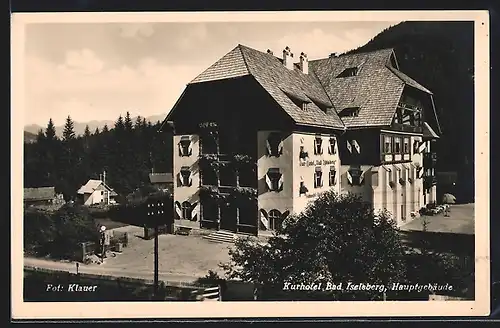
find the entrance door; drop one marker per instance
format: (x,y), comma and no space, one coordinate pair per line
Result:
(228,217)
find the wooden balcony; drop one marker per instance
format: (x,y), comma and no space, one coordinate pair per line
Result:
(407,128)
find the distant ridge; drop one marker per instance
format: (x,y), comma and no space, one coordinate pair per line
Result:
(33,129)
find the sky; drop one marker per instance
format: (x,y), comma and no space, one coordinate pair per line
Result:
(97,71)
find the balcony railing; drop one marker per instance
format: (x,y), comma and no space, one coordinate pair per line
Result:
(430,160)
(407,128)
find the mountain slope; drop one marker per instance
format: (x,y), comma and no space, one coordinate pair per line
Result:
(440,55)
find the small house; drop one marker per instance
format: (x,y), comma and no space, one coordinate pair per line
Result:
(96,192)
(42,196)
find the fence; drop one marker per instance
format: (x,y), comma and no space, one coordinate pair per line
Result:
(208,294)
(118,239)
(41,285)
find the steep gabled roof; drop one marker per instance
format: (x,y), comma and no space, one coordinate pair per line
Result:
(161,177)
(282,84)
(92,185)
(429,132)
(42,193)
(375,89)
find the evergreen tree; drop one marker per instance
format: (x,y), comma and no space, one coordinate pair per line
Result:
(138,123)
(105,129)
(128,122)
(86,133)
(50,131)
(96,132)
(69,130)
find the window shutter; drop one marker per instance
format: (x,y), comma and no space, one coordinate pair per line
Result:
(280,148)
(190,149)
(349,146)
(178,210)
(179,179)
(349,177)
(268,183)
(315,181)
(356,145)
(320,143)
(280,183)
(315,147)
(361,177)
(422,146)
(190,180)
(420,172)
(194,212)
(264,218)
(180,149)
(268,147)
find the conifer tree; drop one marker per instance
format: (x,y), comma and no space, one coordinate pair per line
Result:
(50,131)
(96,132)
(128,122)
(105,129)
(86,133)
(69,130)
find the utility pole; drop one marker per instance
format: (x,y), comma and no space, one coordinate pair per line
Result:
(155,210)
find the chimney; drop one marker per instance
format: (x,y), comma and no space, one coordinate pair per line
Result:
(304,63)
(333,55)
(288,58)
(269,51)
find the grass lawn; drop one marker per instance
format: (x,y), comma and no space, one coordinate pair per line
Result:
(110,224)
(178,255)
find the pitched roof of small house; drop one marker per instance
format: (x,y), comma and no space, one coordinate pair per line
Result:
(283,84)
(429,132)
(161,177)
(92,185)
(42,193)
(375,89)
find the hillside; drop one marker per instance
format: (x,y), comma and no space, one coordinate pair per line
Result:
(29,137)
(440,55)
(80,126)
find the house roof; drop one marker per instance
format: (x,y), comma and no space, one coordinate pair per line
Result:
(161,177)
(92,185)
(283,84)
(429,132)
(42,193)
(375,90)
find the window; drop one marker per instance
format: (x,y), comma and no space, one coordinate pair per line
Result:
(274,180)
(209,177)
(331,148)
(318,177)
(387,145)
(318,148)
(302,189)
(349,112)
(305,105)
(185,146)
(332,175)
(397,145)
(274,144)
(303,155)
(102,192)
(351,71)
(186,211)
(209,142)
(416,143)
(355,176)
(406,145)
(275,219)
(185,176)
(227,176)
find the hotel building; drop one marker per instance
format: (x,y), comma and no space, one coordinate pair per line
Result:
(257,137)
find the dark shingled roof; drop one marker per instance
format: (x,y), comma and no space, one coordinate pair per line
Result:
(161,177)
(281,83)
(42,193)
(375,90)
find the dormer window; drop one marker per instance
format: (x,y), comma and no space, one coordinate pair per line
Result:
(185,146)
(349,112)
(274,144)
(318,145)
(305,106)
(351,71)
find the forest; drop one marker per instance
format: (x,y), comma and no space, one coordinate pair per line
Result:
(440,56)
(127,151)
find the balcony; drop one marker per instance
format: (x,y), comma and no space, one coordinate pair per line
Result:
(430,160)
(407,128)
